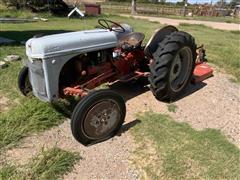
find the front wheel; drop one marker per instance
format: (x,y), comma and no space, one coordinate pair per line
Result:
(24,84)
(98,116)
(173,65)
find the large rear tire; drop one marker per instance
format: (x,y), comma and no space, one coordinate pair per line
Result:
(98,116)
(173,65)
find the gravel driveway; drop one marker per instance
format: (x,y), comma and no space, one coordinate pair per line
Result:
(212,104)
(176,22)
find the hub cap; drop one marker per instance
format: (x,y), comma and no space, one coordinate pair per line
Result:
(101,119)
(181,69)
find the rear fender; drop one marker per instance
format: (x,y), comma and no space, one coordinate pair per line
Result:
(156,38)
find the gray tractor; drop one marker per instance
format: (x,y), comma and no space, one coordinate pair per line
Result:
(75,63)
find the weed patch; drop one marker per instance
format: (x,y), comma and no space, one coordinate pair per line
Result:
(28,117)
(172,107)
(49,164)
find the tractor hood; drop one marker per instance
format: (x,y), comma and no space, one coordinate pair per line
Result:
(73,42)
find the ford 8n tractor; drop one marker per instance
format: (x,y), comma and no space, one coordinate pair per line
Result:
(75,63)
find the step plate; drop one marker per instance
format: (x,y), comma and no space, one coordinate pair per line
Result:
(201,72)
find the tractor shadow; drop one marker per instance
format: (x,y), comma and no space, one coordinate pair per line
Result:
(127,126)
(19,36)
(133,89)
(127,91)
(190,89)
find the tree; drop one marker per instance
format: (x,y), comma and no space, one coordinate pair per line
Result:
(134,7)
(162,1)
(55,6)
(16,3)
(233,3)
(221,3)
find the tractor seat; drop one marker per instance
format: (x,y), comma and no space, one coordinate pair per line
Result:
(131,41)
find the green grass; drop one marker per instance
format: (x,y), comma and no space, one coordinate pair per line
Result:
(8,76)
(8,172)
(222,47)
(28,117)
(24,31)
(49,164)
(171,150)
(23,13)
(15,13)
(172,107)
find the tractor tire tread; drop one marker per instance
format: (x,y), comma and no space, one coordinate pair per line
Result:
(163,57)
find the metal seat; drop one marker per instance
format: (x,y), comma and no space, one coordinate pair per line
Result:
(132,40)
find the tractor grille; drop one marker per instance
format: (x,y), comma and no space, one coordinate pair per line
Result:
(37,79)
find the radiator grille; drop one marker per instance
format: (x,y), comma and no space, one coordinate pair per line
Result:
(37,78)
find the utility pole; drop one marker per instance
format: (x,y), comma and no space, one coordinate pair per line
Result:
(221,3)
(134,7)
(185,7)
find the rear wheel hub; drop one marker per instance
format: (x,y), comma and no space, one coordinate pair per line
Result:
(181,69)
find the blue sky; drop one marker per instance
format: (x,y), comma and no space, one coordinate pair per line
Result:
(198,1)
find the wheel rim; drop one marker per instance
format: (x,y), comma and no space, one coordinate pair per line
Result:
(181,69)
(101,119)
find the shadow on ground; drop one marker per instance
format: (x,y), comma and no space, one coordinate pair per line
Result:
(136,88)
(128,126)
(191,88)
(131,89)
(127,91)
(25,35)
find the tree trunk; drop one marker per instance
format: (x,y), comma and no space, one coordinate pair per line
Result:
(134,7)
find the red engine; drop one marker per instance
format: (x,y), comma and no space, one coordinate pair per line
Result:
(120,64)
(128,61)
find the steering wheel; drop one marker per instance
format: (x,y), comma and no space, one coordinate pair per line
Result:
(112,26)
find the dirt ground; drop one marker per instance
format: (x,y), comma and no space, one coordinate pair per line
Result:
(176,22)
(4,102)
(211,104)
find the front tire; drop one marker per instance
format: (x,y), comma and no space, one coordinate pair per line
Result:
(98,116)
(173,65)
(24,84)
